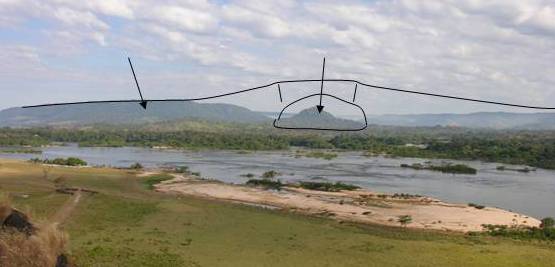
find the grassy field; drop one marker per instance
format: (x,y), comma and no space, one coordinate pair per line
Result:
(127,224)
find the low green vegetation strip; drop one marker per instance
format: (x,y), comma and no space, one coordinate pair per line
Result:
(71,161)
(546,231)
(21,151)
(525,169)
(445,168)
(328,187)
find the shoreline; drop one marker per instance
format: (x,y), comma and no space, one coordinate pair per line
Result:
(359,206)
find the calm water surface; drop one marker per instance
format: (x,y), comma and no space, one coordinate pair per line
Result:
(529,193)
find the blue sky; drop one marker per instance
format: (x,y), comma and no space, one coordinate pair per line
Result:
(62,50)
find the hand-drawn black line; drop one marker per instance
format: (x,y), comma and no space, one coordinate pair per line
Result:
(296,81)
(279,90)
(143,102)
(318,128)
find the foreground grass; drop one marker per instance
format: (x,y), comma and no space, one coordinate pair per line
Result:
(126,224)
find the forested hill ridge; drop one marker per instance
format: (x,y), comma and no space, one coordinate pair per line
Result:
(126,113)
(132,113)
(311,118)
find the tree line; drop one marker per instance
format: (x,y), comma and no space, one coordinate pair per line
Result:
(536,149)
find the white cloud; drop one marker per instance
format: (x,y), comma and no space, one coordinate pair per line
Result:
(494,49)
(185,18)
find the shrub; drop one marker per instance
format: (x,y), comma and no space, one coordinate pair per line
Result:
(266,183)
(136,166)
(270,174)
(71,161)
(404,219)
(476,206)
(547,223)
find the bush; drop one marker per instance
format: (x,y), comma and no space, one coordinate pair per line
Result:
(404,219)
(136,166)
(266,183)
(476,206)
(328,187)
(547,223)
(270,174)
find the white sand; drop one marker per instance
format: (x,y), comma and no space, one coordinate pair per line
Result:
(358,206)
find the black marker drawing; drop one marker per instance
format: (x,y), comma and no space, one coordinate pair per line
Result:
(143,102)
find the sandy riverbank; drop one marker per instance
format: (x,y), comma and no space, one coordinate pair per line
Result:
(358,206)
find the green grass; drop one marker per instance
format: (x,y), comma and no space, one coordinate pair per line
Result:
(155,179)
(126,224)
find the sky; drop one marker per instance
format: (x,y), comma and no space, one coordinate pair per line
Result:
(66,50)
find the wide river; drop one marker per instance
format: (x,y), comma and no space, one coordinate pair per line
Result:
(530,193)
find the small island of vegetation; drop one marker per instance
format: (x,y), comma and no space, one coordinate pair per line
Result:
(445,168)
(525,169)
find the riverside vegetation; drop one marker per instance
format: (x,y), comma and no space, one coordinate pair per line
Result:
(532,148)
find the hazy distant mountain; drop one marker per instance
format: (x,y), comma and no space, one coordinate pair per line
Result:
(125,113)
(130,113)
(494,120)
(310,118)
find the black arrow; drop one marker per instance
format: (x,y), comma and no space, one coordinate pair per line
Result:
(320,107)
(143,102)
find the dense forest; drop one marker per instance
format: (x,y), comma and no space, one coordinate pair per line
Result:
(533,148)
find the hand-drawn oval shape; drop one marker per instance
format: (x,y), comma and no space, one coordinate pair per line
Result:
(312,119)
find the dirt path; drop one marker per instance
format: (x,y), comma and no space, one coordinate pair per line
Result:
(65,210)
(358,206)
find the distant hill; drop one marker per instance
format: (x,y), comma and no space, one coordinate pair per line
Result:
(312,119)
(126,113)
(493,120)
(132,113)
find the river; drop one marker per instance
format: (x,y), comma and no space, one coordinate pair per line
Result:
(530,193)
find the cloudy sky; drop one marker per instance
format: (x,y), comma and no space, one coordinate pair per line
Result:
(66,50)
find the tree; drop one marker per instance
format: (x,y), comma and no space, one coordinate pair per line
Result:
(547,223)
(404,220)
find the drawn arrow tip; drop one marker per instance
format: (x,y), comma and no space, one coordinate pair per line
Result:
(320,108)
(143,104)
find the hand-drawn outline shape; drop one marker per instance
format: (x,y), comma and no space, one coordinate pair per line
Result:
(318,128)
